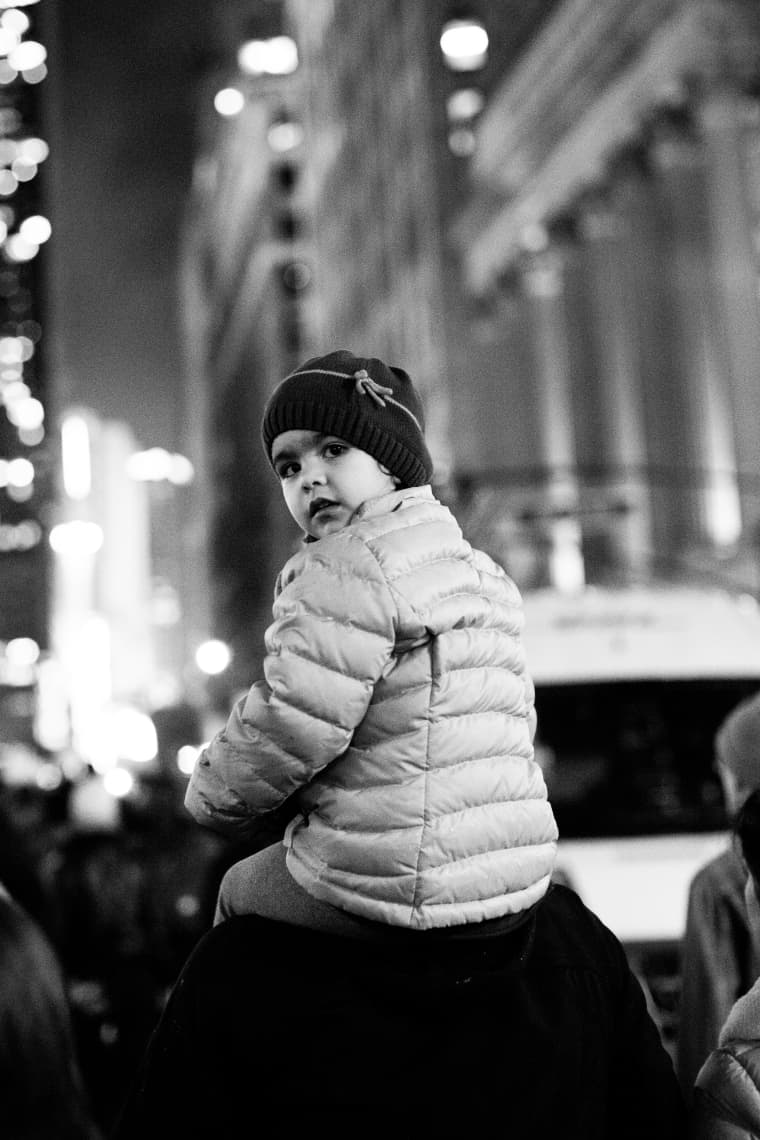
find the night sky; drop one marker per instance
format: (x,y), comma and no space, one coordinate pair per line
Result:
(121,96)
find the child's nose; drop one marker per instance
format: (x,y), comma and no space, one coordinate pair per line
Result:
(312,471)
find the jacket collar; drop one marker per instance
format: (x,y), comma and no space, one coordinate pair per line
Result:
(384,504)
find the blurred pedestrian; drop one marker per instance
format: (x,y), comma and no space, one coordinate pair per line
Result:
(727,1093)
(720,960)
(396,712)
(42,1095)
(20,862)
(360,1028)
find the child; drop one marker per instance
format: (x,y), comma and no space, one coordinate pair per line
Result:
(395,699)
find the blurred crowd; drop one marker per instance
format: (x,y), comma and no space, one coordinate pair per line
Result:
(122,895)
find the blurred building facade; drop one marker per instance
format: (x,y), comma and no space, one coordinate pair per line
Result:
(614,230)
(245,270)
(560,244)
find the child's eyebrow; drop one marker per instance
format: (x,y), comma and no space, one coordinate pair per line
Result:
(286,453)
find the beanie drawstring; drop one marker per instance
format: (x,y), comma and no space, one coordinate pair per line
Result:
(366,386)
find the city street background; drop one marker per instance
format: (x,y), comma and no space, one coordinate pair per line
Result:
(548,212)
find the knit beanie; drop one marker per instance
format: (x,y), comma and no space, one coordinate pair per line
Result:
(738,742)
(361,400)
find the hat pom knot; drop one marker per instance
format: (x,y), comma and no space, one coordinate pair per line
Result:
(366,386)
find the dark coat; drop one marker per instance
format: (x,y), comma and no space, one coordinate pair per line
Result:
(541,1029)
(719,963)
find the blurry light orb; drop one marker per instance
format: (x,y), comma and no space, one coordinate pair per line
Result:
(464,104)
(22,651)
(30,437)
(296,276)
(17,3)
(276,56)
(76,537)
(213,657)
(464,44)
(118,782)
(229,101)
(12,120)
(181,470)
(7,73)
(28,413)
(20,536)
(8,151)
(14,392)
(285,136)
(187,906)
(27,55)
(35,74)
(10,350)
(135,735)
(20,473)
(20,494)
(462,142)
(9,40)
(17,248)
(15,20)
(149,466)
(33,150)
(187,757)
(8,183)
(23,169)
(35,229)
(49,777)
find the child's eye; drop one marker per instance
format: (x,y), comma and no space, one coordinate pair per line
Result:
(285,470)
(335,449)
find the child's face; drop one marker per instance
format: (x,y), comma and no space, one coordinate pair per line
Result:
(324,479)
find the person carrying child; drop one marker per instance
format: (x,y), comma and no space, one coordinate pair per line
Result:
(396,706)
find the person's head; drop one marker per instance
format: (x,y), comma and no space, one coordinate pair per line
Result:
(737,752)
(747,834)
(42,1090)
(340,430)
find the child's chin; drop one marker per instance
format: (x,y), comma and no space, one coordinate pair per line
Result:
(329,526)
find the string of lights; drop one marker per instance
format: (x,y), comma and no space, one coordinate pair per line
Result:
(24,230)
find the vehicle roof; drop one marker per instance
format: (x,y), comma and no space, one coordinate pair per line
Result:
(655,633)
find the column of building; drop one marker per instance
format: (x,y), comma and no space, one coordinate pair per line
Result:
(617,523)
(730,129)
(644,331)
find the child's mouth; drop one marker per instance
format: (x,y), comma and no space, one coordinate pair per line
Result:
(318,505)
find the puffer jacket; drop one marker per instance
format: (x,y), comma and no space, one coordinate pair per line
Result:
(396,701)
(727,1092)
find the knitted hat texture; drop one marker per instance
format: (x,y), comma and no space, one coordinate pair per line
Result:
(738,742)
(359,399)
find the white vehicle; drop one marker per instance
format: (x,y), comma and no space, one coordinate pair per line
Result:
(631,686)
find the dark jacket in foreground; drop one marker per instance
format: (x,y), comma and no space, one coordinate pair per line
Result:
(540,1029)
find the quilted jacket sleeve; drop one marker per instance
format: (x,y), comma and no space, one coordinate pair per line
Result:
(332,636)
(726,1099)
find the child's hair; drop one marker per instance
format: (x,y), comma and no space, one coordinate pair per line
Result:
(362,401)
(747,832)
